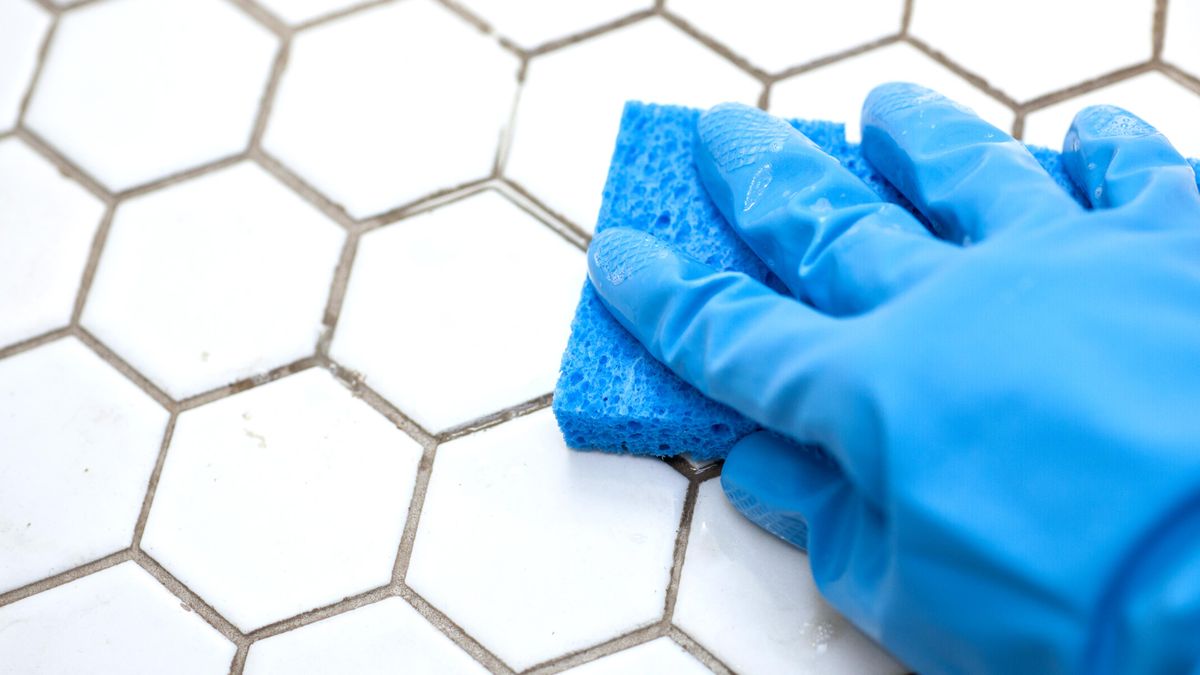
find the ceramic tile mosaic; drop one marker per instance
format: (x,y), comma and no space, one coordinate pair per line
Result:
(283,289)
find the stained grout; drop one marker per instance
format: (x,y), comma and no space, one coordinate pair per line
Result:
(139,527)
(63,164)
(717,47)
(590,33)
(193,601)
(93,262)
(633,638)
(122,366)
(691,646)
(416,505)
(40,65)
(1158,32)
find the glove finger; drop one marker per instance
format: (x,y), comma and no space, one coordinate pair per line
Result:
(968,177)
(1117,159)
(731,337)
(821,230)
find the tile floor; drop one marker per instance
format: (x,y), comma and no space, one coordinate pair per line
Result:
(283,287)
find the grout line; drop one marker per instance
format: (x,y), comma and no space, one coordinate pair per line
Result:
(1159,31)
(245,384)
(355,382)
(1018,125)
(595,31)
(973,78)
(522,201)
(190,600)
(497,418)
(579,657)
(34,342)
(764,97)
(337,292)
(681,541)
(506,133)
(697,650)
(1180,76)
(266,102)
(572,232)
(263,16)
(476,21)
(63,164)
(54,581)
(835,57)
(416,505)
(139,527)
(906,18)
(181,176)
(338,14)
(239,660)
(316,614)
(49,6)
(426,202)
(123,367)
(723,51)
(93,262)
(334,211)
(1060,95)
(39,66)
(453,631)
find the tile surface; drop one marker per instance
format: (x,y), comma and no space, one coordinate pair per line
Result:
(118,620)
(134,90)
(78,442)
(532,23)
(47,223)
(537,551)
(486,337)
(383,107)
(774,36)
(837,92)
(1060,43)
(281,499)
(379,639)
(1162,102)
(242,268)
(561,144)
(750,599)
(22,28)
(657,656)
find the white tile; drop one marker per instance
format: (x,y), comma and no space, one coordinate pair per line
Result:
(282,498)
(1027,48)
(134,90)
(775,35)
(391,104)
(749,598)
(22,27)
(530,23)
(570,108)
(836,92)
(1181,45)
(460,312)
(657,656)
(299,11)
(47,222)
(118,620)
(214,280)
(1171,108)
(78,442)
(380,639)
(536,550)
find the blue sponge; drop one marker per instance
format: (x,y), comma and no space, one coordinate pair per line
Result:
(611,394)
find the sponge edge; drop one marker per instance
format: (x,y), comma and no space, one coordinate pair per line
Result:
(612,395)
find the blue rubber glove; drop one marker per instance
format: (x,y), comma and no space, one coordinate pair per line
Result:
(998,467)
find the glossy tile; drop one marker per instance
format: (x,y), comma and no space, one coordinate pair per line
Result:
(133,90)
(118,620)
(749,598)
(561,144)
(837,91)
(283,498)
(1028,48)
(776,35)
(23,27)
(241,268)
(532,23)
(78,442)
(536,550)
(460,312)
(1181,40)
(1161,101)
(386,637)
(391,104)
(657,656)
(47,222)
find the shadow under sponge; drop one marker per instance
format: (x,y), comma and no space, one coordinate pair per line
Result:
(612,395)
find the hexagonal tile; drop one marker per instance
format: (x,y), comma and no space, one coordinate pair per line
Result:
(535,550)
(562,144)
(776,35)
(460,312)
(1169,106)
(837,91)
(118,620)
(530,23)
(214,280)
(1060,43)
(78,442)
(133,90)
(1182,35)
(750,599)
(47,222)
(22,27)
(386,637)
(657,656)
(282,498)
(299,11)
(390,104)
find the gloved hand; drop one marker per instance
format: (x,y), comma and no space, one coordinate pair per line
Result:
(1001,424)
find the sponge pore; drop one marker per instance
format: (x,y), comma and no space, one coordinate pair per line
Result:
(612,395)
